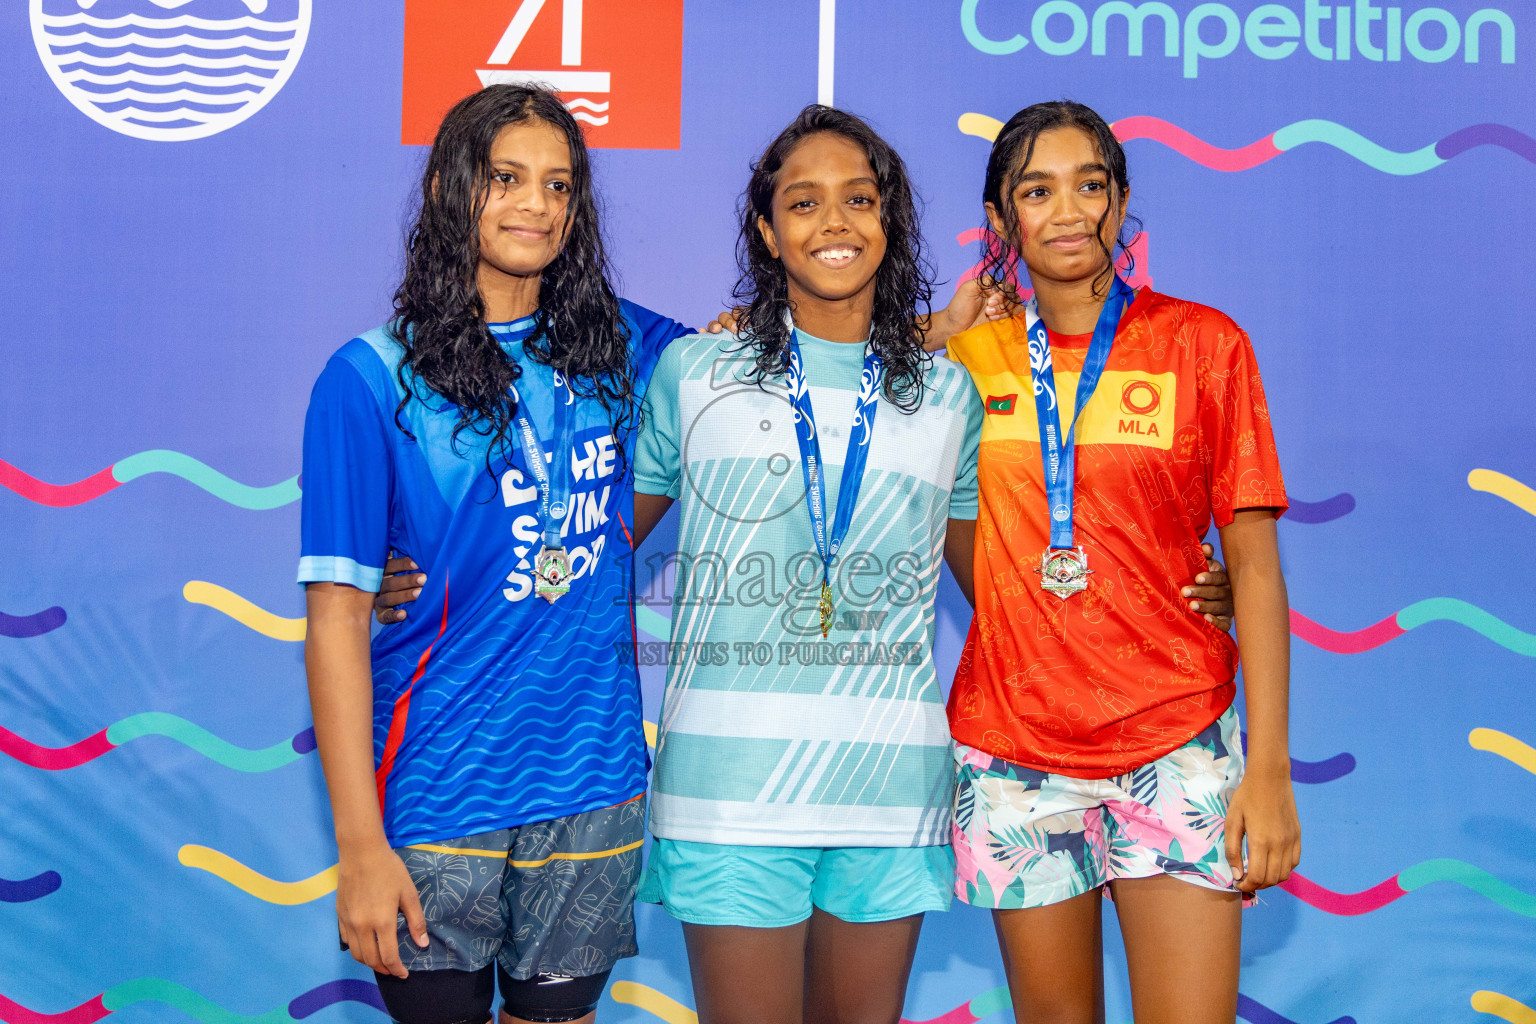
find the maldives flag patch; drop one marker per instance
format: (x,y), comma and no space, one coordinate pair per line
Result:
(1001,405)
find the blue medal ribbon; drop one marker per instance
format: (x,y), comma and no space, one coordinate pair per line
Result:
(864,410)
(554,477)
(1057,453)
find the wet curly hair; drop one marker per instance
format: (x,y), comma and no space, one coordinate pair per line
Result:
(903,282)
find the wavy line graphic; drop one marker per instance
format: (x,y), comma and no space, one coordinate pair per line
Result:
(1350,904)
(632,993)
(195,1005)
(985,1005)
(28,889)
(1325,511)
(1315,773)
(157,723)
(1500,1005)
(1328,133)
(1506,746)
(1506,487)
(249,615)
(1434,609)
(20,627)
(256,499)
(287,894)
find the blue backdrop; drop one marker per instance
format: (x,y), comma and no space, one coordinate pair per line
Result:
(180,258)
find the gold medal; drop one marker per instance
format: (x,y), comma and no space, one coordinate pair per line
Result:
(826,609)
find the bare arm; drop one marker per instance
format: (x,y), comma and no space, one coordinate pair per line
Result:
(649,508)
(403,582)
(960,555)
(373,884)
(1263,808)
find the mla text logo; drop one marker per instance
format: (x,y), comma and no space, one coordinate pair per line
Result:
(616,64)
(169,70)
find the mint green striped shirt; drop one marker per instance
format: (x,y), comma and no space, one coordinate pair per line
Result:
(770,735)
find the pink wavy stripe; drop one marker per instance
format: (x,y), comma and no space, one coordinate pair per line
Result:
(1346,904)
(959,1015)
(85,1013)
(52,758)
(1198,150)
(56,495)
(1345,643)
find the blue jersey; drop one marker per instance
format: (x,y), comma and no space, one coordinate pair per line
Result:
(492,707)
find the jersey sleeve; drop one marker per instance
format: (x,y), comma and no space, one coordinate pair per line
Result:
(347,482)
(658,460)
(964,498)
(1244,469)
(650,334)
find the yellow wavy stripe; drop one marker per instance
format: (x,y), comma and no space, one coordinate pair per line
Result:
(287,894)
(592,855)
(1498,1004)
(669,1009)
(1506,487)
(244,612)
(434,848)
(650,735)
(1505,745)
(981,126)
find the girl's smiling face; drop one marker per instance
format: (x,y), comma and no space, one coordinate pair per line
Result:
(523,224)
(1067,211)
(826,226)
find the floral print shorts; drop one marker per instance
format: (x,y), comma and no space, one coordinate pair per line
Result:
(554,897)
(1027,838)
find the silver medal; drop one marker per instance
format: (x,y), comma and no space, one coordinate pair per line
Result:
(552,574)
(1064,571)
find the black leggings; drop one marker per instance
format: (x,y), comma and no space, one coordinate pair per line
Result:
(465,997)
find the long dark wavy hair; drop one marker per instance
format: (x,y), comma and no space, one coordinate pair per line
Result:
(903,285)
(1011,153)
(439,312)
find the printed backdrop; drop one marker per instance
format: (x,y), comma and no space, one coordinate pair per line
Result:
(204,198)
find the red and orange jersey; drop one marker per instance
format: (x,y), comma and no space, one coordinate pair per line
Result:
(1176,435)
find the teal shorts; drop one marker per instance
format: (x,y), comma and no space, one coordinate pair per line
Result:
(776,886)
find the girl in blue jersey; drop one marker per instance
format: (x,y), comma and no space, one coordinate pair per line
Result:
(485,760)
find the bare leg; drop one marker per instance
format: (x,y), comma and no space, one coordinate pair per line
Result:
(747,975)
(1054,957)
(1183,943)
(857,973)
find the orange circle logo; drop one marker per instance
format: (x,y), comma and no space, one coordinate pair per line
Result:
(1141,398)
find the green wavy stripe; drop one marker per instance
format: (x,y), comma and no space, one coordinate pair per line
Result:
(1470,615)
(1357,146)
(653,622)
(184,999)
(1474,878)
(991,1001)
(257,499)
(159,723)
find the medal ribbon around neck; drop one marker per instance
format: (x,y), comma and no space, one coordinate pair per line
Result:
(554,476)
(1058,454)
(864,409)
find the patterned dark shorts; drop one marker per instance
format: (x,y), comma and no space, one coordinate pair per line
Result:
(554,897)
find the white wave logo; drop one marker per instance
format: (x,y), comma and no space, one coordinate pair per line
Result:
(146,69)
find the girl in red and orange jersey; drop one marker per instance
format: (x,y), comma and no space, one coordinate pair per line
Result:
(1096,740)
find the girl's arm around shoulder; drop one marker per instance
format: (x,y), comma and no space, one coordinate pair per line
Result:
(1263,809)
